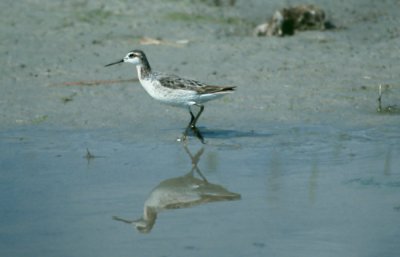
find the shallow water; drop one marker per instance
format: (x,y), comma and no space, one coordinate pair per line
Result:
(304,191)
(297,161)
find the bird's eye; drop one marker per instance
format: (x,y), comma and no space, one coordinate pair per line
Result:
(131,55)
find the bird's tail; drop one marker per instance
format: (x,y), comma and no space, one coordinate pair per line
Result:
(228,88)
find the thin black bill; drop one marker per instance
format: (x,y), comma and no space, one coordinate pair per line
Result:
(114,63)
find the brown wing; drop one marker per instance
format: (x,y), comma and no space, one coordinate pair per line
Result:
(175,82)
(215,89)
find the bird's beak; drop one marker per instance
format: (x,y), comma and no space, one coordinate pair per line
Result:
(122,60)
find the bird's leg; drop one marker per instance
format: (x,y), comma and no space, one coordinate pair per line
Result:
(197,116)
(192,124)
(195,130)
(197,133)
(189,126)
(192,118)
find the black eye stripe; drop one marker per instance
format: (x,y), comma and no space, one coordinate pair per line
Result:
(131,55)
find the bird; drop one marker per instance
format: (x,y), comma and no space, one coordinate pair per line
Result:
(174,90)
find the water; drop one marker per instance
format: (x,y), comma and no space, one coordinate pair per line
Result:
(304,191)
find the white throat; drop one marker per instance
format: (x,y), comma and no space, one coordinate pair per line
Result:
(139,71)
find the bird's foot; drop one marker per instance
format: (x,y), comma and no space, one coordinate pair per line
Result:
(183,138)
(198,134)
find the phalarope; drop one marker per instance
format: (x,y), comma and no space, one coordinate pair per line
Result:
(174,90)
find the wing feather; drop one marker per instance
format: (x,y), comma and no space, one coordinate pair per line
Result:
(175,82)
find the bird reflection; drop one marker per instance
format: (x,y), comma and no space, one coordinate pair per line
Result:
(180,192)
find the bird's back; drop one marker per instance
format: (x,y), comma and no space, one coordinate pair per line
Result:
(176,82)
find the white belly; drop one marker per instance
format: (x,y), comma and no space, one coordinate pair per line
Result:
(175,97)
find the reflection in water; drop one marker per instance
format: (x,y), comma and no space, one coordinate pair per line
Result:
(180,192)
